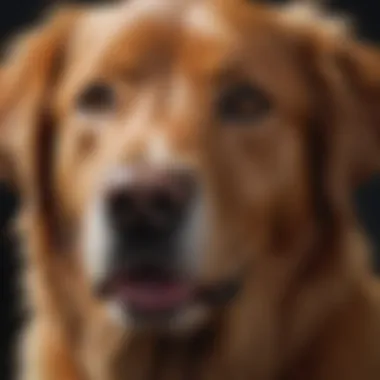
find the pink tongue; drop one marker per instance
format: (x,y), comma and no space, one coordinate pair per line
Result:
(155,296)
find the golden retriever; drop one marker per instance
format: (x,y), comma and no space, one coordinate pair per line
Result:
(186,170)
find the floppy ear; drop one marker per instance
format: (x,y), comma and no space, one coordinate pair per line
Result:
(360,67)
(344,78)
(27,79)
(342,120)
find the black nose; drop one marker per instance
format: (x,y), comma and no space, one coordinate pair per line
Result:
(150,207)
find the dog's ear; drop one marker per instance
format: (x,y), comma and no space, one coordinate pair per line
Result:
(342,118)
(344,76)
(28,74)
(360,68)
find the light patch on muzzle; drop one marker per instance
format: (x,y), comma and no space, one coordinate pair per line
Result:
(97,241)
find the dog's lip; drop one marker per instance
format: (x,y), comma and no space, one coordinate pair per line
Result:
(156,291)
(149,290)
(154,296)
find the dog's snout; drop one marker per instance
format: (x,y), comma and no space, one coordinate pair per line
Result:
(150,206)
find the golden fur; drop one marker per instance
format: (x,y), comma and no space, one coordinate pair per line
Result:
(309,307)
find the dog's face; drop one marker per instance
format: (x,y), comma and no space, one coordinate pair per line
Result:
(184,150)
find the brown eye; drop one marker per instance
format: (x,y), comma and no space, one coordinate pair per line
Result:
(97,97)
(242,104)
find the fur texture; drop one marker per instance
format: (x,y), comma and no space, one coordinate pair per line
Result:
(278,191)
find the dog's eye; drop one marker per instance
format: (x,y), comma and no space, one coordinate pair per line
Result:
(97,97)
(242,104)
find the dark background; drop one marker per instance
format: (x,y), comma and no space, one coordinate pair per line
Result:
(15,14)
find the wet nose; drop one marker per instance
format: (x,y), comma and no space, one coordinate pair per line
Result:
(150,206)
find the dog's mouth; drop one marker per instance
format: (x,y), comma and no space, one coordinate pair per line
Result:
(152,291)
(152,295)
(149,290)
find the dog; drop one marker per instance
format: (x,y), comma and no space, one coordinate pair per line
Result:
(186,170)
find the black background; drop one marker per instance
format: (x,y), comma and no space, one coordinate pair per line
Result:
(17,13)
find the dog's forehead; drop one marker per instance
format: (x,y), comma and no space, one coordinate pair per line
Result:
(103,26)
(202,41)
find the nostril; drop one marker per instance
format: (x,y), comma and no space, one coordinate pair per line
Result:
(163,207)
(121,208)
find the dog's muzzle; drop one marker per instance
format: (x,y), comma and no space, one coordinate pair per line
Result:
(148,212)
